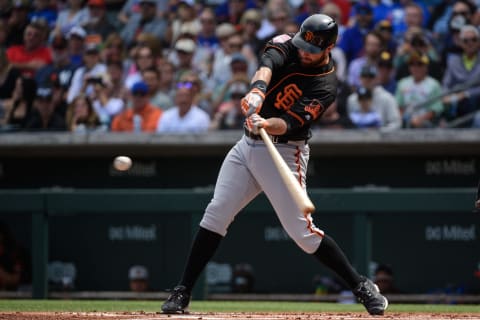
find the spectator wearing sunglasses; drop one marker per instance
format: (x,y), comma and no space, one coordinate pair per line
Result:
(185,116)
(462,69)
(142,116)
(229,114)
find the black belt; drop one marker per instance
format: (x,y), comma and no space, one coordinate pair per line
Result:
(275,139)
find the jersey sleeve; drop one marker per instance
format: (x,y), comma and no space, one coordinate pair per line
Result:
(278,52)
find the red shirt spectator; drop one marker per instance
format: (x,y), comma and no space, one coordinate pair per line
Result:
(33,54)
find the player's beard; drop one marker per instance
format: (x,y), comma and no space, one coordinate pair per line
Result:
(313,60)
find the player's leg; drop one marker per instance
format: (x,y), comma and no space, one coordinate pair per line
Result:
(303,231)
(234,189)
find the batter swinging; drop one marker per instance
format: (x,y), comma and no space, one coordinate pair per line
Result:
(293,86)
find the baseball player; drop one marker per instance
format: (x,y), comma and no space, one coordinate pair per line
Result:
(292,87)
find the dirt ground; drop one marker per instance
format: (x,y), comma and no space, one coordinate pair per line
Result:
(227,316)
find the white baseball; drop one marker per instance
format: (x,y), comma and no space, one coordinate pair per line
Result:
(122,163)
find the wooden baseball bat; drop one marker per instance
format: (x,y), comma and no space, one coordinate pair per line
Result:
(293,185)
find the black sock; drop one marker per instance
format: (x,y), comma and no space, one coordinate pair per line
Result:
(203,248)
(330,254)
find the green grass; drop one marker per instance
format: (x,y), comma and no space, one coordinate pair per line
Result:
(216,306)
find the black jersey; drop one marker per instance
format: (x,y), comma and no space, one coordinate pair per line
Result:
(299,95)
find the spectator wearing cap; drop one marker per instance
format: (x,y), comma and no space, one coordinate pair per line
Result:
(17,22)
(42,9)
(386,72)
(383,102)
(185,116)
(372,48)
(74,14)
(385,29)
(61,69)
(141,116)
(158,98)
(366,116)
(415,40)
(350,41)
(463,70)
(92,68)
(43,116)
(138,279)
(98,22)
(182,57)
(76,45)
(414,90)
(33,53)
(146,21)
(229,115)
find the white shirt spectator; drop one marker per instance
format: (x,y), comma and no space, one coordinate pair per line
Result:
(194,121)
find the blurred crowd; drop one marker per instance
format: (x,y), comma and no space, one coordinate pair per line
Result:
(182,66)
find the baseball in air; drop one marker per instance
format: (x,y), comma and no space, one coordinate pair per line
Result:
(122,163)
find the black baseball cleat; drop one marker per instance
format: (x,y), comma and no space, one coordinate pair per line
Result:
(178,301)
(368,294)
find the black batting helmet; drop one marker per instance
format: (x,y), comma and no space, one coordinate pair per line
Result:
(316,33)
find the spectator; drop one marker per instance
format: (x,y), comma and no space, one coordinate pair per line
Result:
(383,278)
(382,102)
(61,68)
(250,24)
(138,279)
(402,18)
(385,29)
(18,108)
(14,263)
(206,41)
(372,48)
(414,90)
(43,116)
(167,78)
(132,7)
(4,33)
(80,116)
(104,101)
(231,11)
(352,40)
(416,41)
(463,69)
(74,15)
(184,23)
(386,72)
(92,69)
(229,114)
(158,98)
(184,117)
(98,22)
(42,9)
(141,116)
(17,22)
(146,21)
(33,53)
(365,115)
(184,50)
(201,97)
(144,59)
(116,79)
(277,14)
(76,45)
(8,80)
(114,49)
